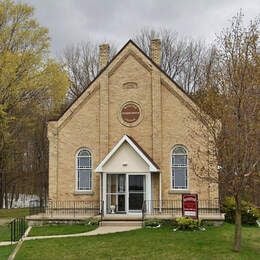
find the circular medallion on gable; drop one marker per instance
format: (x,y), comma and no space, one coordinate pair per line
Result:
(130,114)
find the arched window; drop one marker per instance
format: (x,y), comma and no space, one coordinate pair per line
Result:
(84,170)
(179,168)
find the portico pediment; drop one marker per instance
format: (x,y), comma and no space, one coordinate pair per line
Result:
(127,156)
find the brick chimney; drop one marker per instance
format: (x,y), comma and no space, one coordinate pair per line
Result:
(103,56)
(155,51)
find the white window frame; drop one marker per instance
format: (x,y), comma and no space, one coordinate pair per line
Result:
(89,189)
(174,188)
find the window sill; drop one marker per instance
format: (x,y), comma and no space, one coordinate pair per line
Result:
(178,191)
(84,192)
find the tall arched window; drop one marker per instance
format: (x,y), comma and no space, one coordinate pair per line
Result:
(84,170)
(179,168)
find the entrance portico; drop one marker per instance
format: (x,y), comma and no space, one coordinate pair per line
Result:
(126,178)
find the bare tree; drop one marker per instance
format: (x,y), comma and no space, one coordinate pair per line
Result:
(182,58)
(231,97)
(81,64)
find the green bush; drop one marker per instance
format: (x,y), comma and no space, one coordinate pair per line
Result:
(249,213)
(92,222)
(152,223)
(185,223)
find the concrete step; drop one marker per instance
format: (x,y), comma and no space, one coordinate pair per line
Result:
(117,223)
(122,217)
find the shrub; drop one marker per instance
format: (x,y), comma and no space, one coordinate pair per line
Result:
(249,212)
(152,223)
(92,222)
(185,223)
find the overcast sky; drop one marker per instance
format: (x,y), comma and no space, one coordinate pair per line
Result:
(73,21)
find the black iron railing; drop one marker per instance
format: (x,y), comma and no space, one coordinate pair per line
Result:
(102,212)
(36,207)
(17,228)
(174,207)
(66,208)
(143,211)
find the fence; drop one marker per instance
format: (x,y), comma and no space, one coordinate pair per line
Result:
(174,207)
(36,207)
(18,227)
(66,208)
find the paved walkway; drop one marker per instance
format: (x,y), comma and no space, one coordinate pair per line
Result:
(4,221)
(98,231)
(7,243)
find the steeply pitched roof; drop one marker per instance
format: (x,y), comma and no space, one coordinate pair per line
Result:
(101,71)
(153,167)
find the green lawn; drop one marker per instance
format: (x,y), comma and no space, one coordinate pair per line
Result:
(60,229)
(215,243)
(14,213)
(5,251)
(5,233)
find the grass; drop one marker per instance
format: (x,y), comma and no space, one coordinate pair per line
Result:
(215,243)
(5,251)
(14,213)
(60,229)
(5,233)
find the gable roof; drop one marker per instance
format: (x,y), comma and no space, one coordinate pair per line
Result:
(101,71)
(153,167)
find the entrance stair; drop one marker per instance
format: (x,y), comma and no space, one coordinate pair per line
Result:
(121,223)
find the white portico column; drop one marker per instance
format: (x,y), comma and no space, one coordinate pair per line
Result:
(104,192)
(148,190)
(101,196)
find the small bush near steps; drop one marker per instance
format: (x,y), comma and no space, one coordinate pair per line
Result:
(187,224)
(152,223)
(92,222)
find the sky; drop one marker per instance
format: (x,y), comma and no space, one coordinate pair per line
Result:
(73,21)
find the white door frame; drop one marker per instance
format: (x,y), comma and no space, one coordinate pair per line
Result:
(148,189)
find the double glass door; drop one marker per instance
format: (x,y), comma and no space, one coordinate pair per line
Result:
(124,193)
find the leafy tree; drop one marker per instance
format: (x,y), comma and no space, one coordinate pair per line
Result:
(32,88)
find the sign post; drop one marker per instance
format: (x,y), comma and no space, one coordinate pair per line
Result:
(190,205)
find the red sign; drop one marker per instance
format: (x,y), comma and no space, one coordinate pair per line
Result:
(130,112)
(190,205)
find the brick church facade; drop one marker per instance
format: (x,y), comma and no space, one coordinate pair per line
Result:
(128,138)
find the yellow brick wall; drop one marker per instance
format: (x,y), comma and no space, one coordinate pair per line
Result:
(94,124)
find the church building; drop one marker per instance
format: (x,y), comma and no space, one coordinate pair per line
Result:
(128,138)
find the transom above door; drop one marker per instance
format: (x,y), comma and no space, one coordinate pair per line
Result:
(125,193)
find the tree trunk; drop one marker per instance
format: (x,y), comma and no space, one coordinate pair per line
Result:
(238,224)
(5,192)
(1,190)
(12,196)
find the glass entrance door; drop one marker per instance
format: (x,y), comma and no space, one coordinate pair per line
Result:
(116,193)
(136,188)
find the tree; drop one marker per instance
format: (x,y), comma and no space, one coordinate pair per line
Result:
(182,59)
(231,98)
(81,63)
(31,86)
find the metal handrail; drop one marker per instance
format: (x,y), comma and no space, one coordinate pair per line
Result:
(102,212)
(143,211)
(17,229)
